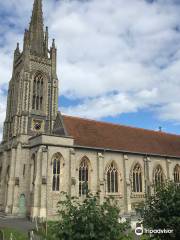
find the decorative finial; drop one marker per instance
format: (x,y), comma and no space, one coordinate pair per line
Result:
(17,51)
(53,43)
(17,46)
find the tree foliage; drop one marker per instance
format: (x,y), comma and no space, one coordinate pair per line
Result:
(162,211)
(89,220)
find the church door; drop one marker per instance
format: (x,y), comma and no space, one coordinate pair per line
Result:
(22,205)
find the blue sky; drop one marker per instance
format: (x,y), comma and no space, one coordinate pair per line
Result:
(118,60)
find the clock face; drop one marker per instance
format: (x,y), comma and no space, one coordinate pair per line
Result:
(37,126)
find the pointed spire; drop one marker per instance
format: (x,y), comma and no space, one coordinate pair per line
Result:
(17,48)
(53,43)
(36,29)
(17,51)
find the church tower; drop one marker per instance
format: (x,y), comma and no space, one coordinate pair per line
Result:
(32,103)
(32,108)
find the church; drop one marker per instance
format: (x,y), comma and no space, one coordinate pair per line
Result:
(44,152)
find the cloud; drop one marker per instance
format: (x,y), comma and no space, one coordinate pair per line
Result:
(116,57)
(127,47)
(170,112)
(111,104)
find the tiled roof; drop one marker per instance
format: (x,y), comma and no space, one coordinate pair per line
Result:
(97,134)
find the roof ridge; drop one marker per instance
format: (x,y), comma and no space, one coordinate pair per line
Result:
(126,126)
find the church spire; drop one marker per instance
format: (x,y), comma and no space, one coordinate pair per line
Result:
(36,29)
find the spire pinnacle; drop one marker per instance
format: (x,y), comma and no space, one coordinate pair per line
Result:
(53,43)
(17,51)
(17,47)
(36,29)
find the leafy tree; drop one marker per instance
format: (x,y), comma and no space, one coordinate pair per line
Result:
(89,220)
(162,211)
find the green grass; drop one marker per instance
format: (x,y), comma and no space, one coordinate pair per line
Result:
(50,230)
(17,235)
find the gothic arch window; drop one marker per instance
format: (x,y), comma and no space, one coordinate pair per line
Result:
(112,178)
(137,178)
(177,174)
(83,176)
(37,99)
(56,165)
(158,176)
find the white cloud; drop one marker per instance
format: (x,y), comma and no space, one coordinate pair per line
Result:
(112,104)
(115,55)
(167,112)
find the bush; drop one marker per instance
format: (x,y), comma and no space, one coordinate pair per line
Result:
(89,220)
(162,211)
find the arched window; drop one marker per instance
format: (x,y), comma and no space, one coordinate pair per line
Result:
(37,99)
(158,176)
(137,178)
(112,178)
(177,174)
(56,174)
(83,177)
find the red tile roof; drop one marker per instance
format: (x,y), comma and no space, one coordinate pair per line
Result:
(97,134)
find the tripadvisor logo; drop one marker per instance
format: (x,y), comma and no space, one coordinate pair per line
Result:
(139,231)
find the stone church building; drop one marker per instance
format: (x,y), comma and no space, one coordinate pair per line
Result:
(44,152)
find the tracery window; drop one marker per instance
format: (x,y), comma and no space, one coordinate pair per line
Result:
(83,177)
(56,174)
(177,174)
(37,100)
(137,178)
(112,178)
(158,176)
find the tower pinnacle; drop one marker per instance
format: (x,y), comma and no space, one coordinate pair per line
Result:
(36,29)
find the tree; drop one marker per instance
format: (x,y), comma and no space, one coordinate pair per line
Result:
(89,220)
(162,211)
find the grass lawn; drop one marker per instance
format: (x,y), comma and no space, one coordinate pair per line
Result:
(17,235)
(50,230)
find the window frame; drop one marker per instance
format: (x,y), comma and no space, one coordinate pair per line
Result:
(158,175)
(38,92)
(83,177)
(176,174)
(112,188)
(56,172)
(137,179)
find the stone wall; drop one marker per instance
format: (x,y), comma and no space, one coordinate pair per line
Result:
(27,169)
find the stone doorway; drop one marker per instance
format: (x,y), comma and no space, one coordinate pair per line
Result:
(22,205)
